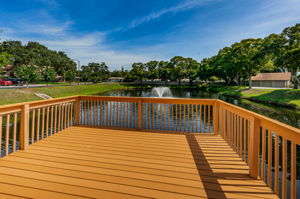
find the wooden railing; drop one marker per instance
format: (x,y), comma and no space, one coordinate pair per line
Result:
(269,147)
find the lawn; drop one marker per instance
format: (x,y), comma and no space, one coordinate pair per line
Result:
(284,97)
(10,96)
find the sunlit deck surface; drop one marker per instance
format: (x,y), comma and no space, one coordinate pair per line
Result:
(84,162)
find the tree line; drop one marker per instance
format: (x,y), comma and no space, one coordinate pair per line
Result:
(234,64)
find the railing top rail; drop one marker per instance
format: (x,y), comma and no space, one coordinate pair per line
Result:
(263,119)
(34,104)
(150,99)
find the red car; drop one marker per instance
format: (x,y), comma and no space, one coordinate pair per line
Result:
(5,83)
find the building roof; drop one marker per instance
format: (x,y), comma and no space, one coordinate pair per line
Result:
(115,78)
(272,76)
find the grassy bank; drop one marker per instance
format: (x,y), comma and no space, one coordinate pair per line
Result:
(283,97)
(10,96)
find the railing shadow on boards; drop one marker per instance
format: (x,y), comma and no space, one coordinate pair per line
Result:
(269,147)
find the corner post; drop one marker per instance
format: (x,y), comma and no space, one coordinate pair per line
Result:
(77,111)
(24,127)
(216,117)
(140,114)
(254,147)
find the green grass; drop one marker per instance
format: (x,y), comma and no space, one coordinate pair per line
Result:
(10,96)
(284,97)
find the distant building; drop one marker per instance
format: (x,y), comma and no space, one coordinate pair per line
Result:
(273,80)
(116,79)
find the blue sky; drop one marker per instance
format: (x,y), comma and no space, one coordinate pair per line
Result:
(120,32)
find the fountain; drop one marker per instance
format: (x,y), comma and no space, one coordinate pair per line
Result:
(161,92)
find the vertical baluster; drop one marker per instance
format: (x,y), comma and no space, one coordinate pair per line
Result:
(65,115)
(55,119)
(176,115)
(71,114)
(148,116)
(293,170)
(47,122)
(244,135)
(43,123)
(84,112)
(240,136)
(32,126)
(1,118)
(161,115)
(205,112)
(276,162)
(165,118)
(196,118)
(7,134)
(95,113)
(180,115)
(101,113)
(209,119)
(201,118)
(188,117)
(98,113)
(68,115)
(14,131)
(115,113)
(170,109)
(263,154)
(234,132)
(110,113)
(59,118)
(270,158)
(284,168)
(193,119)
(51,122)
(125,114)
(38,125)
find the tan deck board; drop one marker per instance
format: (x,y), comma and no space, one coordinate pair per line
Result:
(100,163)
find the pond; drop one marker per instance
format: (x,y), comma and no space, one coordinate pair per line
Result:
(285,115)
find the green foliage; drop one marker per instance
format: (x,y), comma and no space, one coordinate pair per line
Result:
(28,73)
(34,53)
(5,59)
(138,71)
(48,74)
(95,72)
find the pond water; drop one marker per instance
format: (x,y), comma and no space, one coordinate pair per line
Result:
(285,115)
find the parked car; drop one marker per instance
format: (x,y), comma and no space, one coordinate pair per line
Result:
(16,81)
(5,82)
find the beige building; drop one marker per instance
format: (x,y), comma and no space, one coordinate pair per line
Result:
(273,80)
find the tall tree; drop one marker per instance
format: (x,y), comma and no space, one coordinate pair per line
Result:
(28,73)
(152,70)
(291,55)
(138,71)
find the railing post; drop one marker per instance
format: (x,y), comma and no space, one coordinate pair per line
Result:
(140,114)
(254,146)
(216,117)
(24,127)
(77,111)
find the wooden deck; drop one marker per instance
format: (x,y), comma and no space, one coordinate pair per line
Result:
(99,163)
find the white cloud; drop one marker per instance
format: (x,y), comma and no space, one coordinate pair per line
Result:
(185,5)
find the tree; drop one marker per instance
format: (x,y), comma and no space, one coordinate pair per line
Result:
(138,71)
(178,66)
(249,57)
(5,59)
(163,70)
(291,54)
(28,73)
(192,69)
(48,74)
(152,70)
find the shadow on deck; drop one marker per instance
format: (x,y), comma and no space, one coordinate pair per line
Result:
(100,163)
